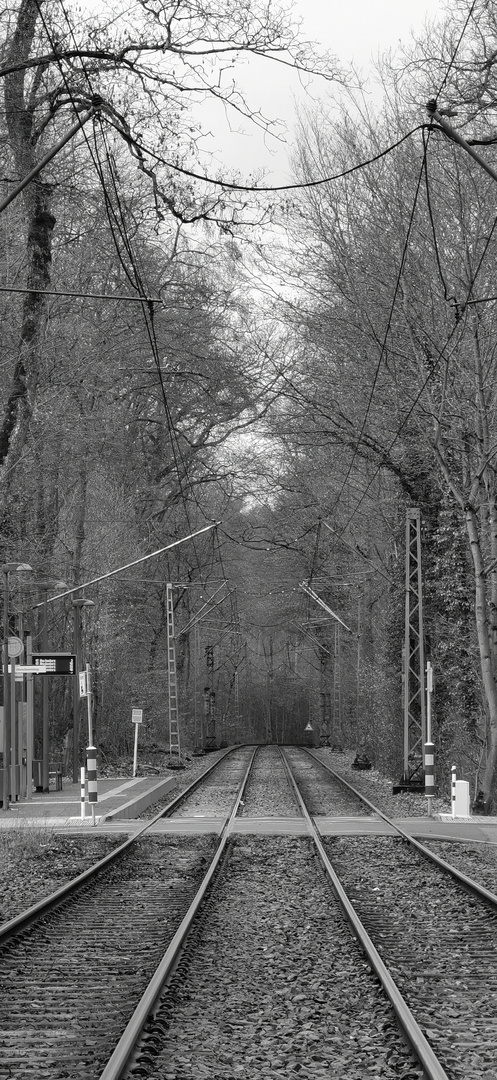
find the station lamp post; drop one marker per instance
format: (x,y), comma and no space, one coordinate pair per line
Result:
(79,603)
(8,691)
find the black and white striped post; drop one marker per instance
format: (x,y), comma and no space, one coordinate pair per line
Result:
(453,790)
(91,764)
(429,773)
(429,748)
(83,792)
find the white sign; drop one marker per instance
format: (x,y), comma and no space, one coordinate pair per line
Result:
(28,669)
(15,646)
(137,716)
(82,684)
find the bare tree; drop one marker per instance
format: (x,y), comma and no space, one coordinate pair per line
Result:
(135,80)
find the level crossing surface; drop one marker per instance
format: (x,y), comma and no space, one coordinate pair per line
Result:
(122,799)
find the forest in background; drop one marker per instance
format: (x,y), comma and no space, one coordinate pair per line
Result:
(301,366)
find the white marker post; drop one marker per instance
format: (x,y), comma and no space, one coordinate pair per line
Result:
(88,702)
(136,718)
(453,790)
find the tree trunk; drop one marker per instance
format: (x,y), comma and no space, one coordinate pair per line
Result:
(486,656)
(19,109)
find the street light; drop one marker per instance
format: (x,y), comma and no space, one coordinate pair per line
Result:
(9,701)
(79,603)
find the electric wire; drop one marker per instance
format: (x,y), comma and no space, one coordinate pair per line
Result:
(401,427)
(424,171)
(83,295)
(117,222)
(456,50)
(438,260)
(301,185)
(387,331)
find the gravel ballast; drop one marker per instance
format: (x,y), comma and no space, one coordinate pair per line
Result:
(276,986)
(36,862)
(268,793)
(378,789)
(75,978)
(438,941)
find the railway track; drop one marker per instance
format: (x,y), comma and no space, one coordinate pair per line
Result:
(261,976)
(74,965)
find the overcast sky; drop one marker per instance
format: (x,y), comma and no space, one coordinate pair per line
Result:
(353,30)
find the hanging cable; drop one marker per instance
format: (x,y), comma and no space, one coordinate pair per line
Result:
(387,331)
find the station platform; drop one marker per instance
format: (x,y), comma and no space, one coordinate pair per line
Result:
(122,799)
(119,800)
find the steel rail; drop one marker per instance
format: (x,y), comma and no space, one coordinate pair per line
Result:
(127,1046)
(54,900)
(468,883)
(410,1027)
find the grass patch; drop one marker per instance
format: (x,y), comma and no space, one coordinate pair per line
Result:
(25,841)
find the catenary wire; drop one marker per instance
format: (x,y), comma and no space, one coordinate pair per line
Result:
(135,280)
(387,331)
(429,376)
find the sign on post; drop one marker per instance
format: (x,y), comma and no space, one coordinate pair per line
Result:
(136,718)
(56,663)
(27,669)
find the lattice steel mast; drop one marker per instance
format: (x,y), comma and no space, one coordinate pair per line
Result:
(414,660)
(174,740)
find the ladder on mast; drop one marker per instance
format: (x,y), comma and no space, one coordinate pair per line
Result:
(174,740)
(337,690)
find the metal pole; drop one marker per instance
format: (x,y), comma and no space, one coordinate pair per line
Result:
(136,562)
(83,791)
(196,741)
(429,691)
(13,740)
(48,157)
(454,135)
(6,694)
(76,699)
(358,670)
(89,703)
(29,720)
(135,752)
(45,768)
(429,749)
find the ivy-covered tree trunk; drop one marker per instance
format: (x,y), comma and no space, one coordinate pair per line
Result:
(487,656)
(19,112)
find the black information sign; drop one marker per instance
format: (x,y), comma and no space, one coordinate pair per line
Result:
(56,663)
